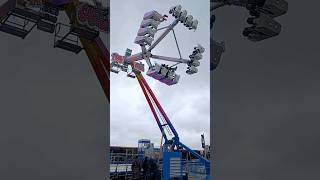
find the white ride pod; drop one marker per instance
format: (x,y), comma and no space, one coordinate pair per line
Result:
(196,56)
(143,40)
(199,49)
(188,22)
(164,70)
(153,15)
(149,23)
(147,32)
(114,68)
(194,25)
(171,81)
(177,11)
(195,63)
(183,16)
(170,75)
(172,9)
(154,71)
(176,78)
(192,70)
(174,81)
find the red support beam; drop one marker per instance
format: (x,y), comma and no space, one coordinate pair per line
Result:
(146,94)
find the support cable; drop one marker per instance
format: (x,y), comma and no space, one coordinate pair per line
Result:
(175,38)
(175,64)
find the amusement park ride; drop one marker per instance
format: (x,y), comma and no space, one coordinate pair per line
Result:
(20,17)
(145,37)
(166,74)
(263,26)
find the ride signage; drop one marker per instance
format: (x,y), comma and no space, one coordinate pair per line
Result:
(93,17)
(115,57)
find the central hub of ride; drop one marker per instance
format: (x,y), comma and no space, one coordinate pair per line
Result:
(146,39)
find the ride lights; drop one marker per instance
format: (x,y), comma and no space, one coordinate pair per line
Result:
(175,11)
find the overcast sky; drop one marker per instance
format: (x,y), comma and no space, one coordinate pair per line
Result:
(187,103)
(266,98)
(53,112)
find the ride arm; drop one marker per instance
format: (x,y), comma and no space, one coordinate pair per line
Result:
(96,52)
(166,32)
(149,95)
(177,60)
(138,75)
(144,52)
(99,64)
(168,122)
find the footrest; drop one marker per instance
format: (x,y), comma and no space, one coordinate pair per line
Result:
(68,46)
(45,26)
(50,18)
(13,30)
(27,13)
(50,9)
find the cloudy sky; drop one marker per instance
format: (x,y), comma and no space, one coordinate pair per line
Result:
(187,103)
(266,98)
(53,113)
